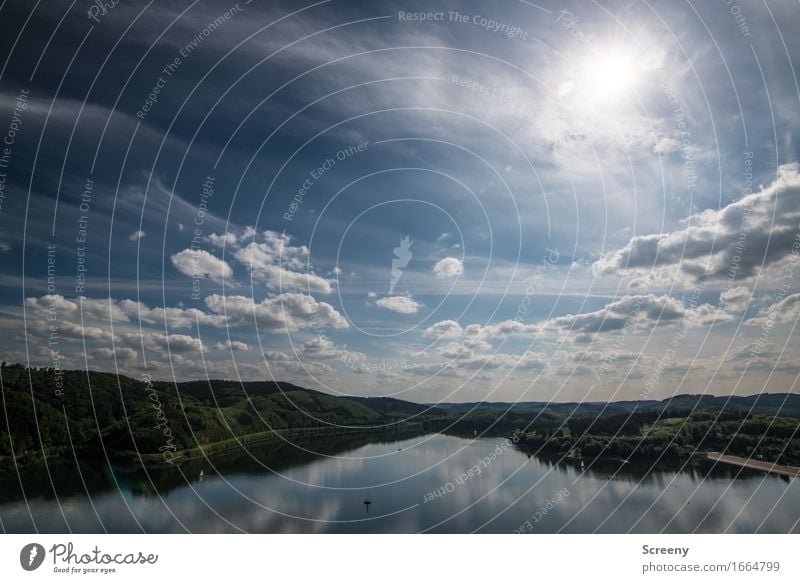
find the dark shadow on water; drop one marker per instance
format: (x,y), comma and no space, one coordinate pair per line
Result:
(96,476)
(647,471)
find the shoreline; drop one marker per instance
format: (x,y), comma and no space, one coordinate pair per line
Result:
(752,464)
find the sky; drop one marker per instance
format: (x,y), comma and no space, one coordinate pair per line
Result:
(435,201)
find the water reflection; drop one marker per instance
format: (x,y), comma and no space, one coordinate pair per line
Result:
(413,483)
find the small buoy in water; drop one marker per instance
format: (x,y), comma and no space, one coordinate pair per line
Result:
(367,502)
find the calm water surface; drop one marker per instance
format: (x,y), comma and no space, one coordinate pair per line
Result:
(278,488)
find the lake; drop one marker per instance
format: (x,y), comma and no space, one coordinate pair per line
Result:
(417,483)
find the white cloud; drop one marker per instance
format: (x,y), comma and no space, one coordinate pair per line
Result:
(454,350)
(173,317)
(177,343)
(321,347)
(274,248)
(785,310)
(80,307)
(226,239)
(289,311)
(737,298)
(527,361)
(462,361)
(739,239)
(639,312)
(277,356)
(234,345)
(444,329)
(448,268)
(282,279)
(465,349)
(77,332)
(136,235)
(399,304)
(281,265)
(120,354)
(503,329)
(93,311)
(318,346)
(198,263)
(139,330)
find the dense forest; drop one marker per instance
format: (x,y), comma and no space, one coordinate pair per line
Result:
(765,426)
(100,414)
(674,434)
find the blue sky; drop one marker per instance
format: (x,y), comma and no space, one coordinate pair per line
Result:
(599,200)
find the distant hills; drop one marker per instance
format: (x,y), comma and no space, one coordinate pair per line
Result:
(783,404)
(102,414)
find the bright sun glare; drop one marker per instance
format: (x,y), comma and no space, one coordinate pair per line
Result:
(608,76)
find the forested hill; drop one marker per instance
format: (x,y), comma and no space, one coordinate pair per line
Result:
(98,413)
(73,412)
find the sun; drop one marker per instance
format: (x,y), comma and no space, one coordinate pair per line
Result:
(607,77)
